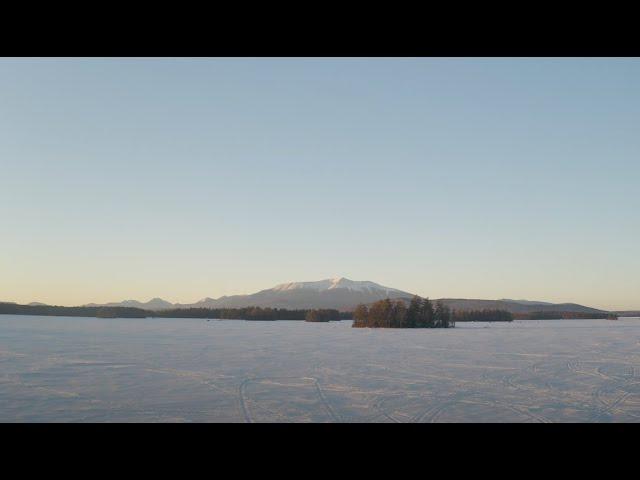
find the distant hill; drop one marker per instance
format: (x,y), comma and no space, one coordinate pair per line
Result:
(153,304)
(517,306)
(525,302)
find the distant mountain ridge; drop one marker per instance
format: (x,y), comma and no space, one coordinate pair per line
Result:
(525,302)
(344,294)
(153,304)
(517,306)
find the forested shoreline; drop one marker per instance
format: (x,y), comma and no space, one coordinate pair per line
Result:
(254,313)
(325,315)
(485,315)
(248,313)
(418,313)
(58,311)
(565,316)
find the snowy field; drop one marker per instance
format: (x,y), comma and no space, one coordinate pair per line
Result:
(55,369)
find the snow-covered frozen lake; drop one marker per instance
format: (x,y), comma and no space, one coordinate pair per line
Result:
(57,369)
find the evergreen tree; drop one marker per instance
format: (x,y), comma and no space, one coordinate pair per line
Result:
(387,315)
(427,315)
(441,315)
(437,315)
(413,312)
(399,314)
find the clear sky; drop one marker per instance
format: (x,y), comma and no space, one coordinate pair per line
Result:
(186,178)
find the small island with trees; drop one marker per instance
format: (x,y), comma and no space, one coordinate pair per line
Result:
(421,313)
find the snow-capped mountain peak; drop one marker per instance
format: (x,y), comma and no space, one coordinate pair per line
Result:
(334,283)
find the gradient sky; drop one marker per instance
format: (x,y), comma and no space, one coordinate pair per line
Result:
(186,178)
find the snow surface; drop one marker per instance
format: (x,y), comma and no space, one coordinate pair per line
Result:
(180,370)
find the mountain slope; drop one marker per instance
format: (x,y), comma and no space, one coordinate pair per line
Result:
(153,304)
(340,293)
(516,306)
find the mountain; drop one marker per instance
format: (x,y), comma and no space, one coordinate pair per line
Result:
(153,304)
(340,293)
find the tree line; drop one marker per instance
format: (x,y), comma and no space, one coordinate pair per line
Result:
(253,313)
(421,313)
(485,315)
(565,315)
(58,311)
(322,315)
(248,313)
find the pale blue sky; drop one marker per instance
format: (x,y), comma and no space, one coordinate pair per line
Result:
(185,178)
